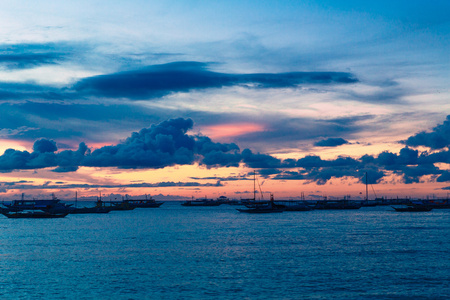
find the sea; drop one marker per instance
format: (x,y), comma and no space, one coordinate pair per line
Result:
(177,252)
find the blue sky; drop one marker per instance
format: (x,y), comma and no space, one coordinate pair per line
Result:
(285,80)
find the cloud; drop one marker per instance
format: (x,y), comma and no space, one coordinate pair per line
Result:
(23,160)
(289,132)
(23,56)
(413,174)
(229,178)
(74,122)
(331,142)
(217,154)
(43,146)
(162,145)
(160,80)
(168,143)
(258,160)
(445,176)
(30,91)
(159,146)
(58,185)
(438,138)
(79,121)
(389,93)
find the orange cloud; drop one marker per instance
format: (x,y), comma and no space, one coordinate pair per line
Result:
(231,130)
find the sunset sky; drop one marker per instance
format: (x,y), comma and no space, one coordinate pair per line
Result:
(189,98)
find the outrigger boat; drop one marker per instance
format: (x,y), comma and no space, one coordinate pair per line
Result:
(297,206)
(261,208)
(438,204)
(52,205)
(90,210)
(413,208)
(143,203)
(113,205)
(33,215)
(97,209)
(201,202)
(337,204)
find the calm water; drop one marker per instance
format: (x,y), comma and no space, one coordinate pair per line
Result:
(176,252)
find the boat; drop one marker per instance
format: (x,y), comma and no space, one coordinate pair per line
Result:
(50,205)
(262,208)
(143,203)
(337,204)
(90,210)
(201,202)
(224,200)
(438,204)
(97,209)
(33,215)
(368,203)
(119,205)
(413,208)
(113,205)
(297,206)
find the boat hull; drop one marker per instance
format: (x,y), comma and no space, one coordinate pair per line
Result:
(259,211)
(201,203)
(147,205)
(412,209)
(91,210)
(34,215)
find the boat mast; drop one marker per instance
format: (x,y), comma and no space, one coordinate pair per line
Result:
(254,185)
(367,190)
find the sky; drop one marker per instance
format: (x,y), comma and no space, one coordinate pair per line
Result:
(181,99)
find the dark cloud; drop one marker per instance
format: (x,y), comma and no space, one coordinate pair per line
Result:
(266,173)
(22,56)
(414,174)
(31,91)
(149,82)
(436,157)
(160,80)
(43,146)
(169,144)
(217,154)
(65,169)
(390,93)
(322,175)
(313,161)
(57,185)
(229,178)
(258,161)
(69,161)
(162,145)
(331,142)
(438,138)
(73,122)
(445,176)
(159,146)
(290,175)
(80,122)
(22,160)
(27,60)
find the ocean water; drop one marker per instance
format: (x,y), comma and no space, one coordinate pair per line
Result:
(176,252)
